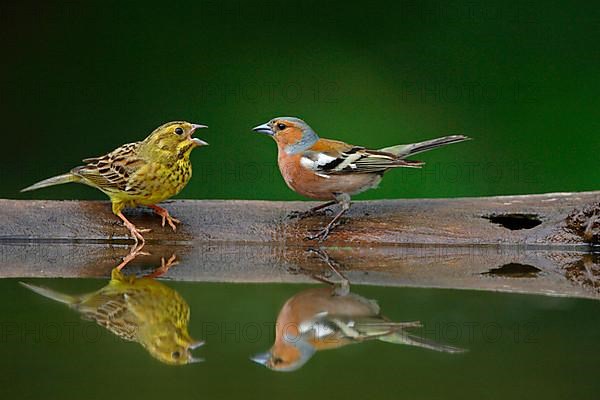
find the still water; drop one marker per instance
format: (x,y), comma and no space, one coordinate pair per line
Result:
(517,346)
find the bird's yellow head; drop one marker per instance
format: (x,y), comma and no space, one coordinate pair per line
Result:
(172,345)
(291,134)
(174,139)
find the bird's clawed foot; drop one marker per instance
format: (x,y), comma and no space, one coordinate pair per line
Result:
(166,217)
(318,210)
(342,288)
(135,251)
(164,267)
(136,233)
(323,234)
(309,213)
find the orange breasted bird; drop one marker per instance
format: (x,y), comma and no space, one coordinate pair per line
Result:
(329,318)
(330,170)
(141,173)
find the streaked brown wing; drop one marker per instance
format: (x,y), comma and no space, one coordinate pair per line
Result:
(112,172)
(126,149)
(112,312)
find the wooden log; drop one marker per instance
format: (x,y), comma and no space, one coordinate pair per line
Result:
(509,269)
(506,220)
(445,243)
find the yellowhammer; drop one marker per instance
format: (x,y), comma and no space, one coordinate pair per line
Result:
(140,173)
(142,310)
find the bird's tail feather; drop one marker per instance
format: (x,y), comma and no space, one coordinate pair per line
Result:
(403,337)
(55,180)
(405,150)
(52,294)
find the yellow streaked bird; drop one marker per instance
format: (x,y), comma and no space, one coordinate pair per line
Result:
(142,173)
(141,310)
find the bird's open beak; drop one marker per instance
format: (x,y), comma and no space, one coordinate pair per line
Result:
(198,126)
(193,346)
(261,358)
(197,344)
(264,128)
(197,141)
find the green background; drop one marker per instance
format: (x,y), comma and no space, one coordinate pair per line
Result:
(79,78)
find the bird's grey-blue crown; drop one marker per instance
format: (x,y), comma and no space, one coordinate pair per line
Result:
(309,136)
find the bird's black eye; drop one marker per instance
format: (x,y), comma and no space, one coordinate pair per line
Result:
(179,131)
(176,354)
(277,360)
(281,126)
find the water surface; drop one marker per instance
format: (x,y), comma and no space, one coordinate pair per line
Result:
(519,346)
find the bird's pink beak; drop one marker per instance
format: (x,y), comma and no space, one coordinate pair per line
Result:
(197,141)
(197,344)
(198,126)
(193,346)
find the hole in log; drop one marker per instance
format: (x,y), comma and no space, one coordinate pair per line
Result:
(515,222)
(514,270)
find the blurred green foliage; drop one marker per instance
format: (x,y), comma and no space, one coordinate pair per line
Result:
(79,78)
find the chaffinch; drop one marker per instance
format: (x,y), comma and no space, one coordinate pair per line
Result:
(331,170)
(331,317)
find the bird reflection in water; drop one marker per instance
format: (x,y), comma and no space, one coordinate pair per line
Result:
(332,317)
(141,310)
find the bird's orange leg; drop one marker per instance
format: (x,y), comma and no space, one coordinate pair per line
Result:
(135,232)
(164,267)
(166,217)
(135,251)
(311,212)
